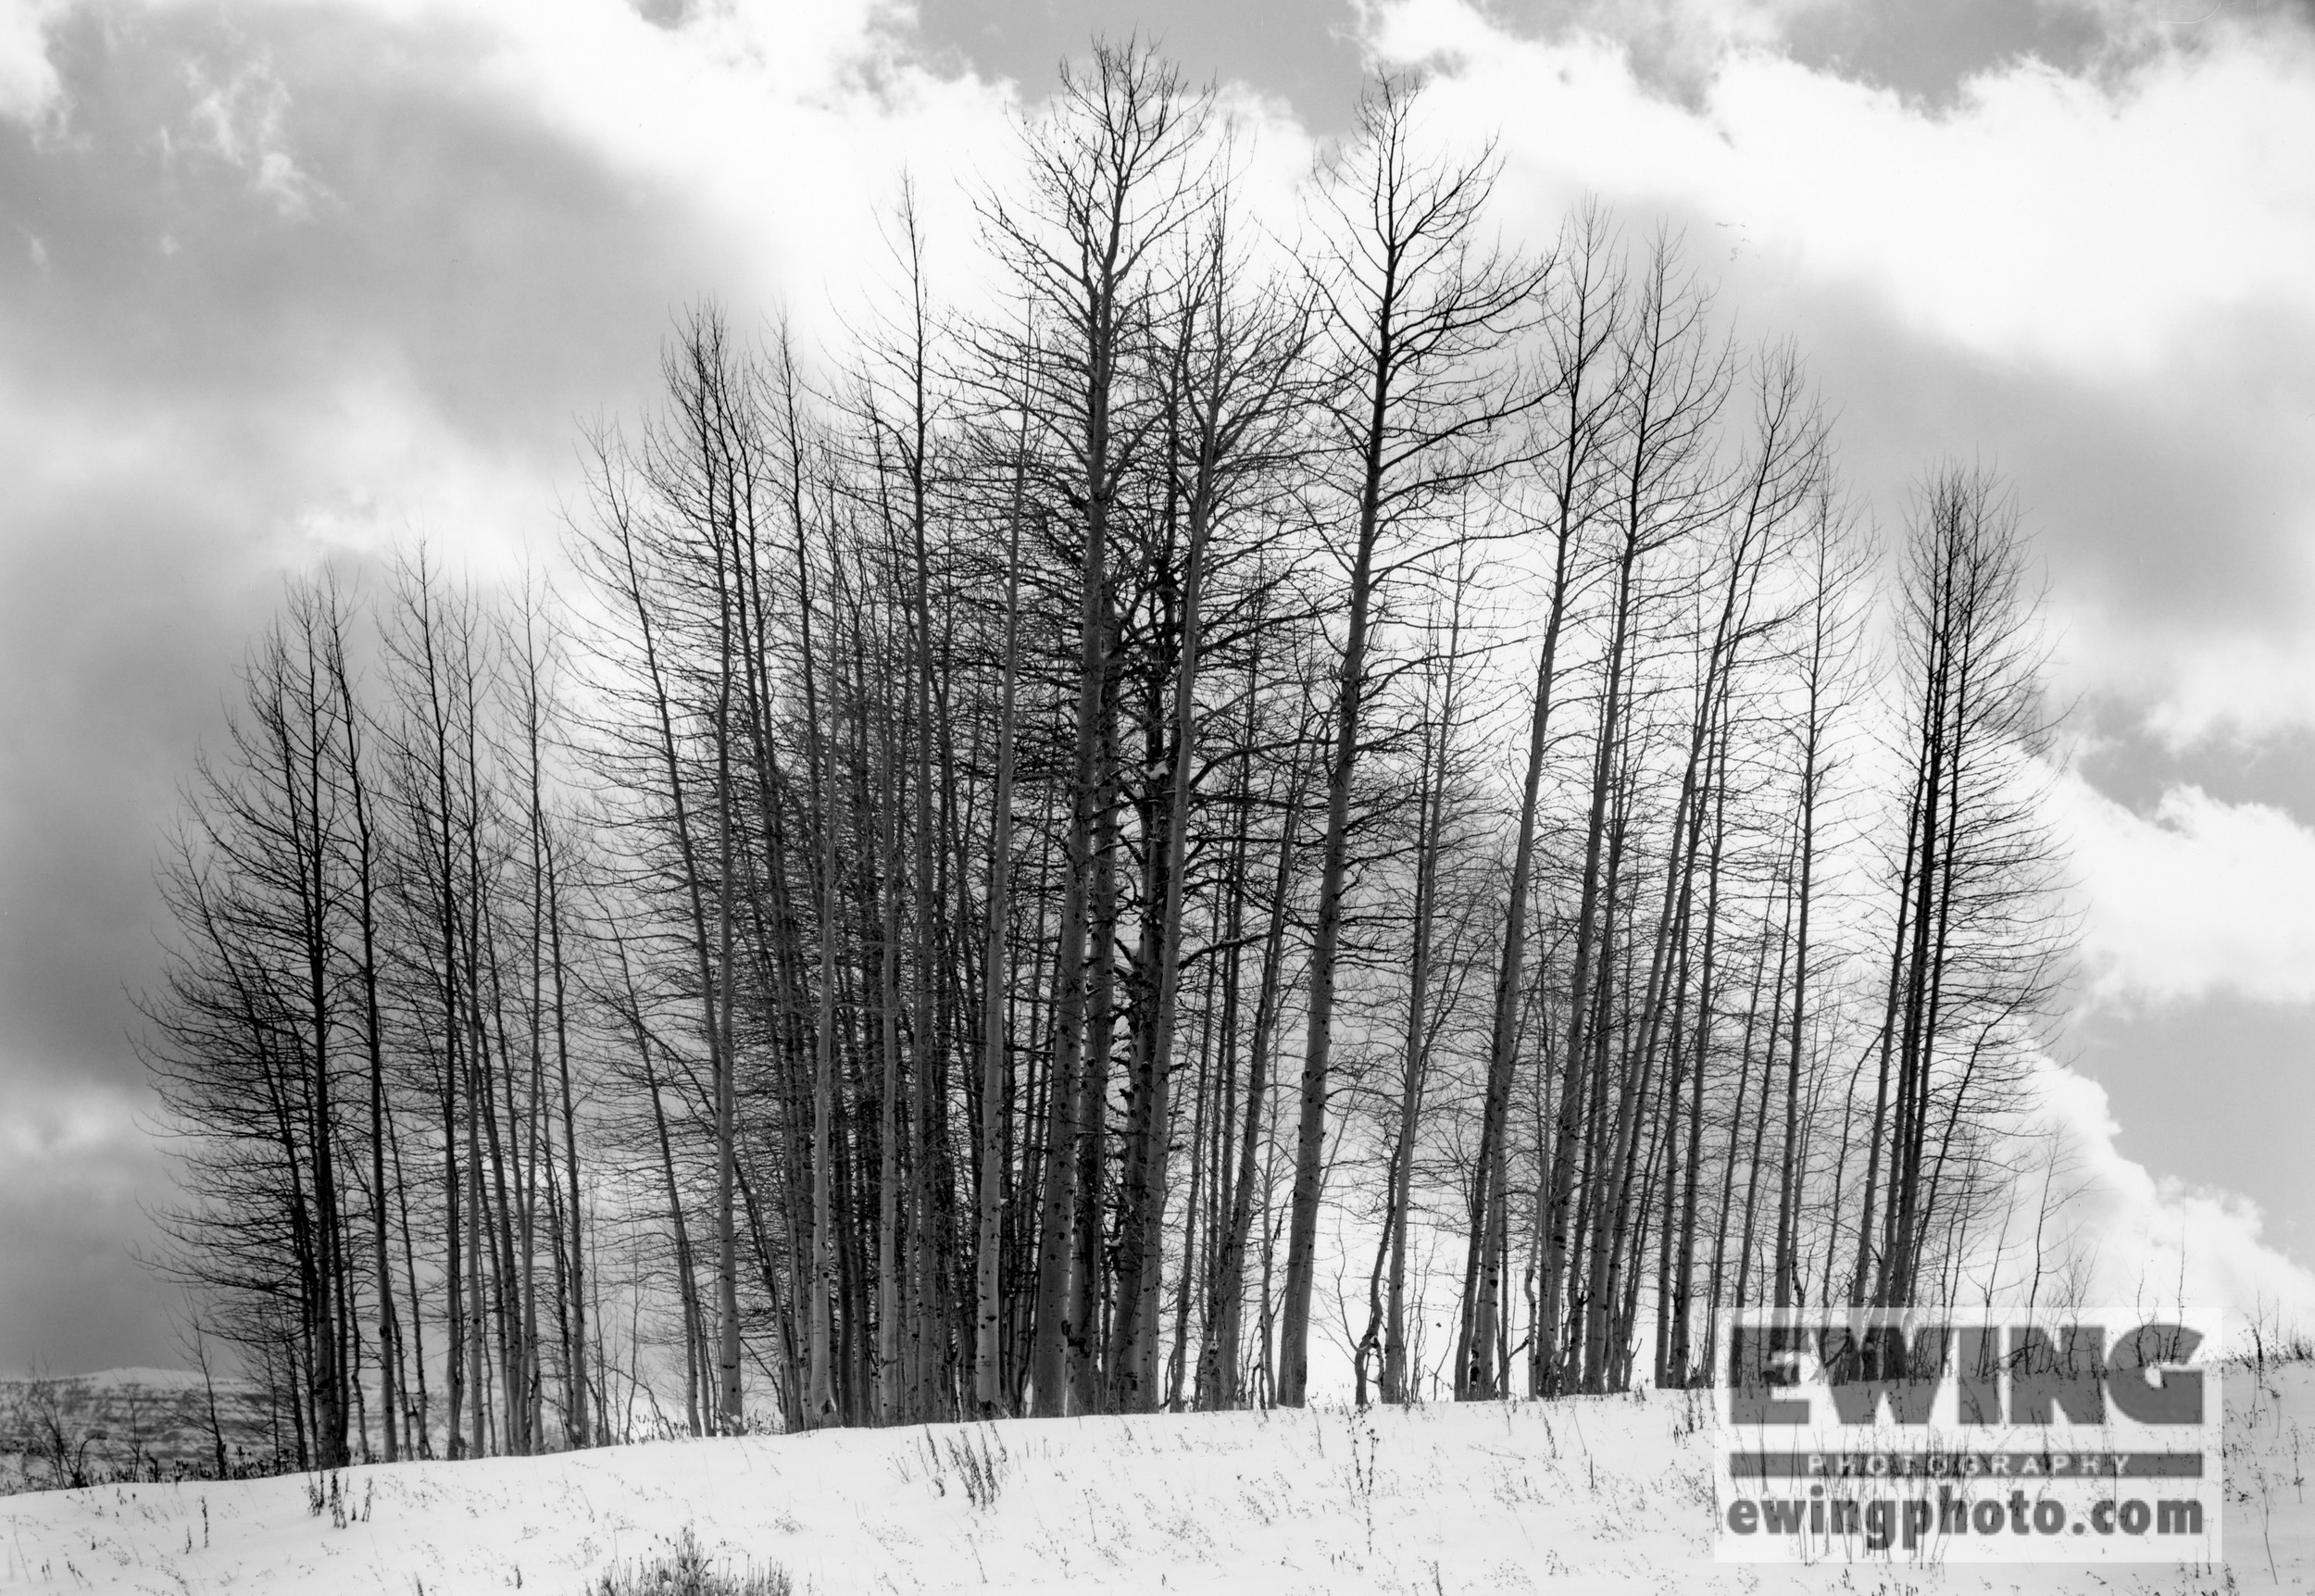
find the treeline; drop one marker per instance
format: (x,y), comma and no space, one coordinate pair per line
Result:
(1050,857)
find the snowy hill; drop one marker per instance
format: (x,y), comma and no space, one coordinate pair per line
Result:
(1607,1495)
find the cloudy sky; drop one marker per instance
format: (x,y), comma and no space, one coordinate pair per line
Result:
(279,280)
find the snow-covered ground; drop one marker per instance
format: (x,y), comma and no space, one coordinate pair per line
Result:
(1610,1494)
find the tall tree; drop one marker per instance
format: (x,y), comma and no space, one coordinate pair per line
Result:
(1414,313)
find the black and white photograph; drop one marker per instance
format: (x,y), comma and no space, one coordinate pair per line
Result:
(1348,796)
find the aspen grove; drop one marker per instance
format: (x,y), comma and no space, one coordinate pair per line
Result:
(1293,789)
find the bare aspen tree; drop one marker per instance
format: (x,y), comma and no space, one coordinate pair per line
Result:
(820,1399)
(1235,371)
(352,717)
(1386,1286)
(1579,321)
(855,938)
(1672,379)
(1784,468)
(1974,946)
(1219,1377)
(989,1386)
(1414,310)
(1109,185)
(1832,564)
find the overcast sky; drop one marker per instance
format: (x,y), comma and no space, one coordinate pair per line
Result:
(285,280)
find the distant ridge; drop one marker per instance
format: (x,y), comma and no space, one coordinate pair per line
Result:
(114,1423)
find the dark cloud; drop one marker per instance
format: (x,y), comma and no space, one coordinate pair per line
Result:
(1926,49)
(2217,1093)
(428,228)
(1923,50)
(243,257)
(76,1174)
(1304,52)
(2168,507)
(2134,767)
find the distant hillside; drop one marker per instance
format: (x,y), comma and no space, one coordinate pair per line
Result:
(122,1423)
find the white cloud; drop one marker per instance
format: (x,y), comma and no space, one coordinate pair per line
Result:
(2091,222)
(2130,243)
(2115,1235)
(72,1125)
(790,129)
(28,81)
(2199,897)
(241,122)
(2241,683)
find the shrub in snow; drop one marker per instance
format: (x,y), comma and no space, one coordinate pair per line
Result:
(688,1573)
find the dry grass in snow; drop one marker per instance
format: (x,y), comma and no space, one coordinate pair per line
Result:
(1606,1495)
